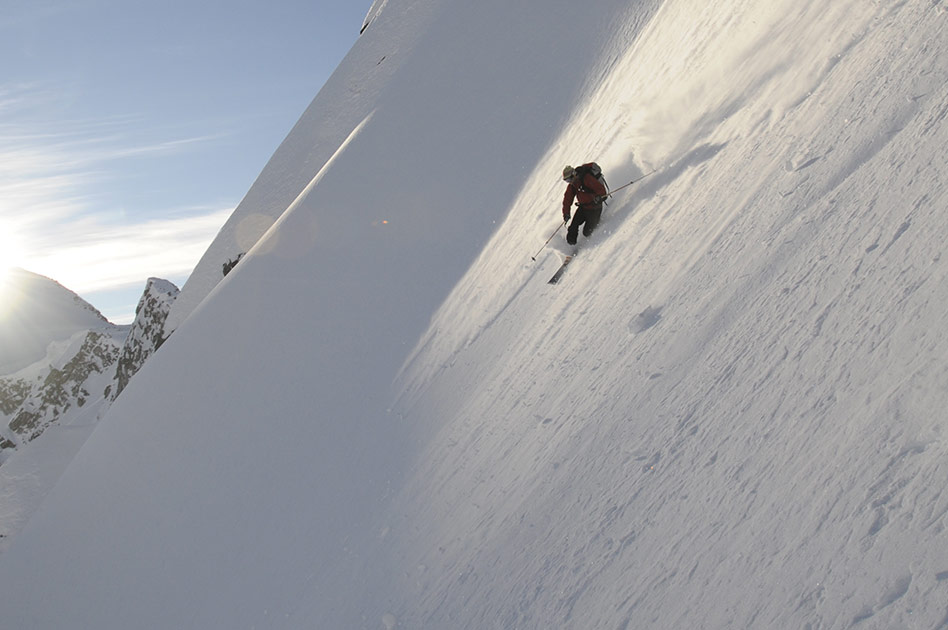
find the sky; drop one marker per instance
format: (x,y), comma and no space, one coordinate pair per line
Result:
(130,130)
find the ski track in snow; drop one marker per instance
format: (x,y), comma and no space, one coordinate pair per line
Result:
(818,310)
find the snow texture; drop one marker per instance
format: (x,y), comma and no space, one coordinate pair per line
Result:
(729,414)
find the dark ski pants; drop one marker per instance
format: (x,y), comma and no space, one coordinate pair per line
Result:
(588,217)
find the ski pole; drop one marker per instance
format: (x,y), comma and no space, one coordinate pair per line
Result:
(549,239)
(630,183)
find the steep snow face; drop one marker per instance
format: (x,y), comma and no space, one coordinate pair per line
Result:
(273,448)
(728,414)
(349,96)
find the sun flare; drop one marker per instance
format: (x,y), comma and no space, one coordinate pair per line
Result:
(10,256)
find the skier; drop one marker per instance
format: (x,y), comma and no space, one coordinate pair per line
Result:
(589,192)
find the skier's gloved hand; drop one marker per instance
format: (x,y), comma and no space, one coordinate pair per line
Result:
(601,199)
(565,217)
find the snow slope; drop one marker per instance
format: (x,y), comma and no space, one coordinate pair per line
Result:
(729,414)
(348,98)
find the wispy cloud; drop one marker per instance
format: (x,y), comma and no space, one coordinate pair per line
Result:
(52,177)
(19,14)
(89,255)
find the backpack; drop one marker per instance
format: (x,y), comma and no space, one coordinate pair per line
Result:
(593,169)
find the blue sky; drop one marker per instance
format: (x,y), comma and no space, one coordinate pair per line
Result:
(129,130)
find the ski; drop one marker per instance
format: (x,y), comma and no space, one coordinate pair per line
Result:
(559,272)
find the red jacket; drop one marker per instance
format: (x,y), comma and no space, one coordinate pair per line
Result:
(584,192)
